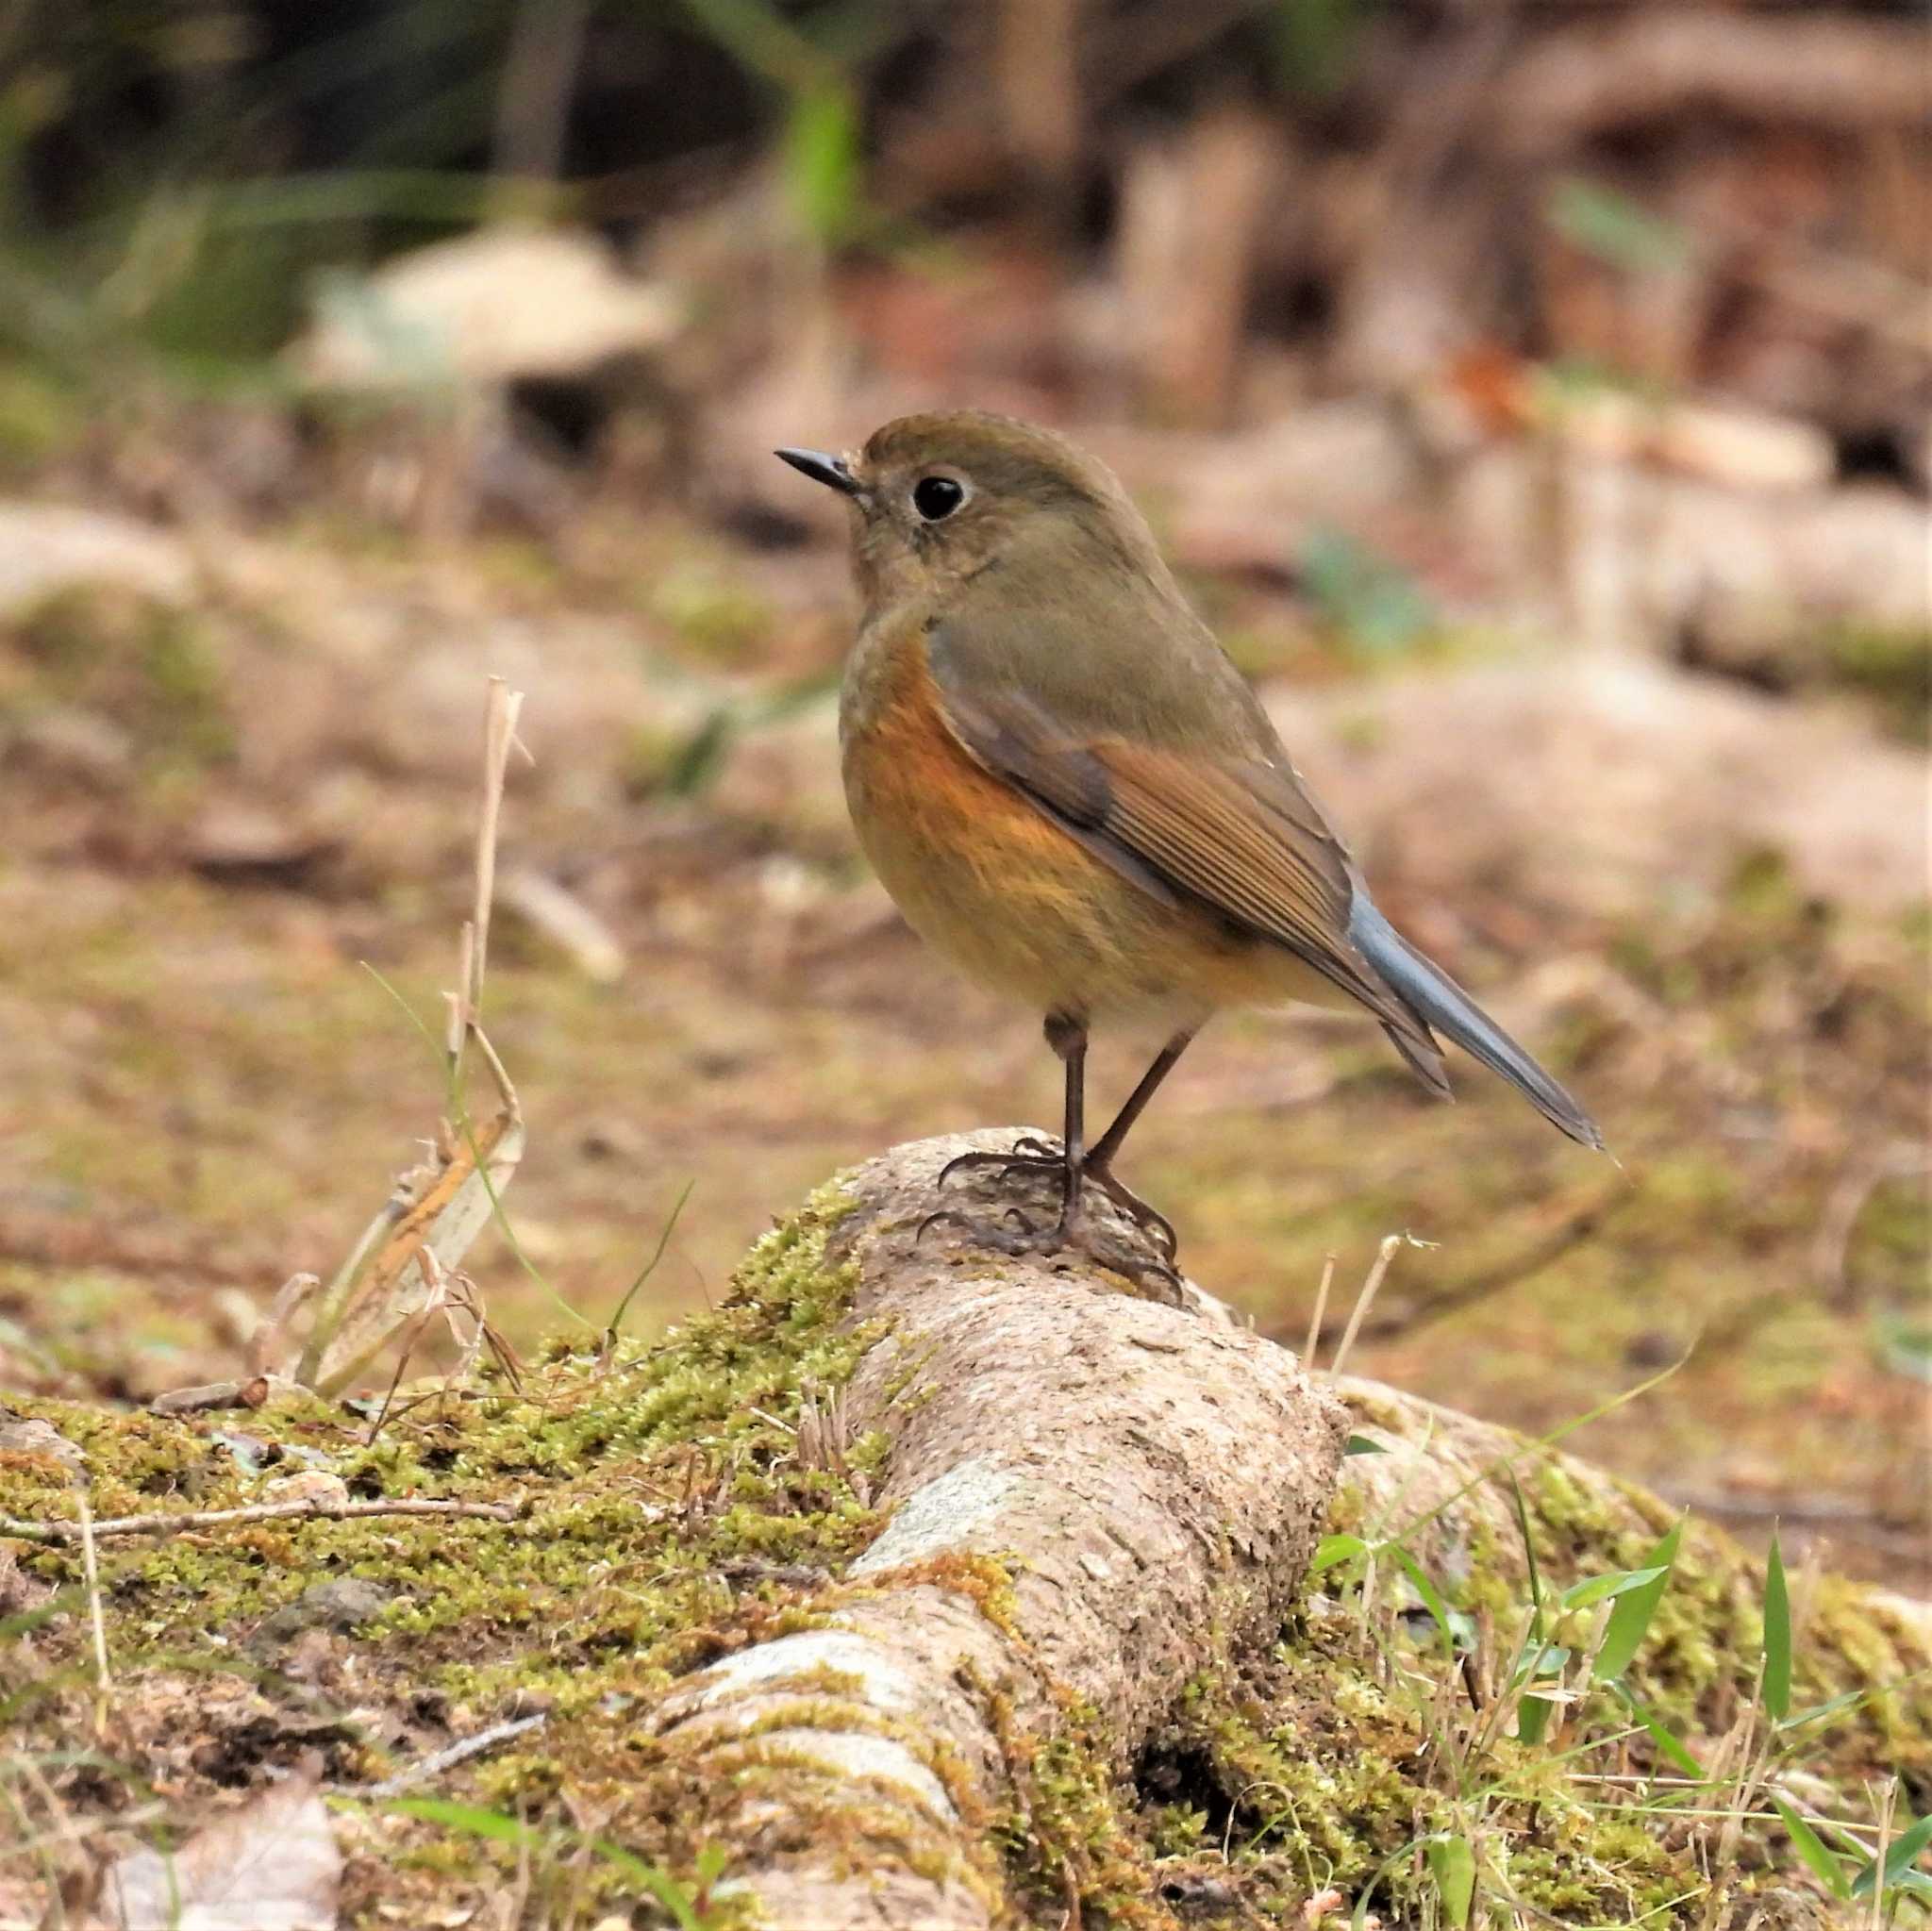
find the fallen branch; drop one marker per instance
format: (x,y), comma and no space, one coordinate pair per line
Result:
(261,1511)
(1094,1498)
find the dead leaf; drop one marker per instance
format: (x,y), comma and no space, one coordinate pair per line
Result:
(273,1865)
(438,1209)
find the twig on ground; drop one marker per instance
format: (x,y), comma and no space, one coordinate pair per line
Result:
(261,1511)
(460,1752)
(250,1393)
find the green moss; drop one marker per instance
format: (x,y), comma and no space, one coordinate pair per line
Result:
(670,1523)
(1889,665)
(40,420)
(150,665)
(702,600)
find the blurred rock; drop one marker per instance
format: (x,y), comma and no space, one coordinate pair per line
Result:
(238,843)
(490,308)
(1597,781)
(70,741)
(49,547)
(339,1605)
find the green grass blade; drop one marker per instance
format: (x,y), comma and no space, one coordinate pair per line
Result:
(1333,1549)
(1899,1860)
(1823,1864)
(470,1817)
(1593,1589)
(474,1820)
(650,1266)
(1452,1865)
(1535,1584)
(1533,1716)
(1505,1463)
(1661,1734)
(1630,1619)
(1431,1595)
(665,1888)
(1838,1706)
(1777,1634)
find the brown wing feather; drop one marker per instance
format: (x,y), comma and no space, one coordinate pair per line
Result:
(1241,838)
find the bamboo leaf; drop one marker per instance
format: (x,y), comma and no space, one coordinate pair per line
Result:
(1630,1619)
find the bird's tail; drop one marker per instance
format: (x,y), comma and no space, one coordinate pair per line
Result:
(1436,999)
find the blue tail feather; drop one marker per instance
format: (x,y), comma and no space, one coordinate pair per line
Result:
(1436,999)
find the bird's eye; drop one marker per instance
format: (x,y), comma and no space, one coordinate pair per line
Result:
(937,496)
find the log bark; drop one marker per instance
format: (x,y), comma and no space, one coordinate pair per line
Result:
(1095,1496)
(1101,1502)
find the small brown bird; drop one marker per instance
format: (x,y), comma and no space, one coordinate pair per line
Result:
(1069,790)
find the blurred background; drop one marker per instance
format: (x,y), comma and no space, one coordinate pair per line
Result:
(1533,394)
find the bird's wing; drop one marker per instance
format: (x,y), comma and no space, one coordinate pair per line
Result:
(1238,836)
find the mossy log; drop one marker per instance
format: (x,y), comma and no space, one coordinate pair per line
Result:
(1094,1497)
(921,1585)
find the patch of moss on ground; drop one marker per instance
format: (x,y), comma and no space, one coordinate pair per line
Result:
(669,1522)
(151,667)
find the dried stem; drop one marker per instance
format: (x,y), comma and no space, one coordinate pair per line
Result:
(499,734)
(1366,1299)
(1320,1309)
(85,1531)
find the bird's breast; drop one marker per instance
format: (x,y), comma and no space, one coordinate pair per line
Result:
(990,879)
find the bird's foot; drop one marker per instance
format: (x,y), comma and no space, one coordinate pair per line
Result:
(1029,1155)
(1033,1156)
(1138,1256)
(1149,1219)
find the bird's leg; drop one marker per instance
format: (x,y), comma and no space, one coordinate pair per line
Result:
(1099,1162)
(1075,1166)
(1030,1154)
(1068,1038)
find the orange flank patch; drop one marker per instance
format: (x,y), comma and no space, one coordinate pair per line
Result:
(1016,902)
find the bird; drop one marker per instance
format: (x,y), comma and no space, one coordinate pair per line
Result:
(1071,790)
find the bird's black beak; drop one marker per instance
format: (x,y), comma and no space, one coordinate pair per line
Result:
(829,469)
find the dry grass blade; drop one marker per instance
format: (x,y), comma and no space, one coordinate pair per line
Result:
(499,734)
(427,1223)
(395,1280)
(260,1511)
(1392,1243)
(96,1622)
(1314,1339)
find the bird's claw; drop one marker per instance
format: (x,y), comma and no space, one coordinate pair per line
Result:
(1032,1155)
(984,1233)
(1016,1236)
(1148,1219)
(1029,1155)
